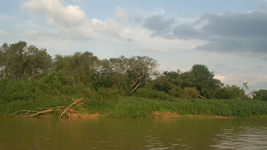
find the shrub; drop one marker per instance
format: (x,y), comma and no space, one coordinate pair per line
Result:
(147,93)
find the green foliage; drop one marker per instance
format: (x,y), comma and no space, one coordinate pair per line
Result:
(133,108)
(176,92)
(199,82)
(125,73)
(111,104)
(102,101)
(147,93)
(245,108)
(21,62)
(15,90)
(46,101)
(80,67)
(143,107)
(205,84)
(231,92)
(190,93)
(260,95)
(167,81)
(122,87)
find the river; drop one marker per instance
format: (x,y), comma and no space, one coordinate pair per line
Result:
(132,134)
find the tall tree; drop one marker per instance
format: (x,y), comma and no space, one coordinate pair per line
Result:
(168,81)
(205,82)
(127,73)
(35,62)
(112,74)
(2,52)
(21,62)
(260,94)
(231,92)
(140,69)
(81,67)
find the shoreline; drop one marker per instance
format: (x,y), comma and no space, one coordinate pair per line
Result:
(154,115)
(134,107)
(163,115)
(170,115)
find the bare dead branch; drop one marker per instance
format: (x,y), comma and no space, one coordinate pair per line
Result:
(25,111)
(72,104)
(202,97)
(32,113)
(41,112)
(136,86)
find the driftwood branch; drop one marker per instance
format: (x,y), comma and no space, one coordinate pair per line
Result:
(59,107)
(72,104)
(136,87)
(20,111)
(41,111)
(202,97)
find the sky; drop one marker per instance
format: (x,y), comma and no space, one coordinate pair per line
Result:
(229,37)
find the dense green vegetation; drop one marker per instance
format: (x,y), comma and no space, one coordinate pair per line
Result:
(121,87)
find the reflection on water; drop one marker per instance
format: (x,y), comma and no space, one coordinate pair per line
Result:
(242,138)
(132,134)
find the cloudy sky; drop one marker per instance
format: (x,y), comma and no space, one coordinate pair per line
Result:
(228,36)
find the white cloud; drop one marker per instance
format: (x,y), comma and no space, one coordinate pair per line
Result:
(220,77)
(55,12)
(77,1)
(6,18)
(31,33)
(3,33)
(154,50)
(255,80)
(159,11)
(72,23)
(120,14)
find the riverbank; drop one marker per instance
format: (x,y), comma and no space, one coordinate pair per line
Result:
(133,107)
(154,115)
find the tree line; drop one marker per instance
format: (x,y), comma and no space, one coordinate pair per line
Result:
(83,73)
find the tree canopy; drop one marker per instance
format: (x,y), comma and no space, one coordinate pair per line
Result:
(20,62)
(260,94)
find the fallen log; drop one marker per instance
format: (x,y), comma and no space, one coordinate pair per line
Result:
(33,113)
(41,112)
(57,108)
(26,112)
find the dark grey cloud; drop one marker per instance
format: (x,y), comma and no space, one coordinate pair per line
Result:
(158,24)
(231,32)
(236,25)
(243,45)
(228,32)
(187,32)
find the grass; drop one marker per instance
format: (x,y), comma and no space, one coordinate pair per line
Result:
(135,107)
(113,105)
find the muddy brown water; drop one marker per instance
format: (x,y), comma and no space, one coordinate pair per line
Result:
(133,134)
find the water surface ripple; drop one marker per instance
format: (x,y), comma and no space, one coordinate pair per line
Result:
(133,134)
